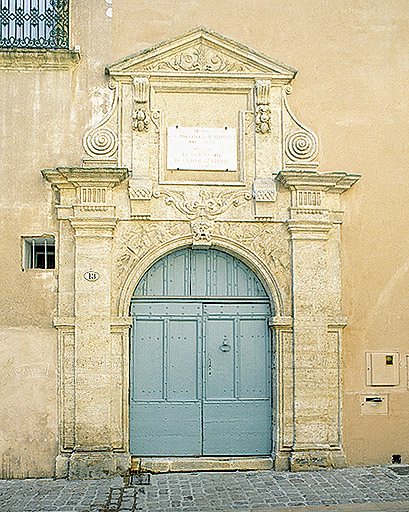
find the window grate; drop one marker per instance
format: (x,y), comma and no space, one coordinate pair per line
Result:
(34,24)
(39,253)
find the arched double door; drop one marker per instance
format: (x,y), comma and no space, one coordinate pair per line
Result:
(200,370)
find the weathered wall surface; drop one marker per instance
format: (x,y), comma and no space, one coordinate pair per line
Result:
(351,90)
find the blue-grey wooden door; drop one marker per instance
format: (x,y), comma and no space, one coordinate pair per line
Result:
(200,380)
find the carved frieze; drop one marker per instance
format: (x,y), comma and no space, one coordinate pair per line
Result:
(206,205)
(199,58)
(143,236)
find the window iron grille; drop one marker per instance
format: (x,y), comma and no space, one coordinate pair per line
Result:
(39,253)
(34,24)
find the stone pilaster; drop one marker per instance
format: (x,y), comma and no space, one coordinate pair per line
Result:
(91,353)
(310,330)
(314,219)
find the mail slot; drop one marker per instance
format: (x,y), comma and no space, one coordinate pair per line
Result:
(374,399)
(374,404)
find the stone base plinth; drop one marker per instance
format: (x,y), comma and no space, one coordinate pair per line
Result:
(82,465)
(312,460)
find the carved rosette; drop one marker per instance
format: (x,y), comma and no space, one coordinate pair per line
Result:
(301,145)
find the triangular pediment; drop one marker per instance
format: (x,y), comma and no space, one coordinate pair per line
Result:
(201,51)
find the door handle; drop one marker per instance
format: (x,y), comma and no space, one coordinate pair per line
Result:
(225,347)
(209,366)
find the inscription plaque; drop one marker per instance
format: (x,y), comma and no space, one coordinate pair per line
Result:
(202,149)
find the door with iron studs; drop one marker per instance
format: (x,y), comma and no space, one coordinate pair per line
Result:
(200,381)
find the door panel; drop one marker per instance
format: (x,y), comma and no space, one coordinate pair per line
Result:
(165,428)
(236,405)
(182,364)
(253,355)
(237,428)
(165,409)
(147,358)
(220,358)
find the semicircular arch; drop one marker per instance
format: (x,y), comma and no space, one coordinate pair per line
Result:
(248,258)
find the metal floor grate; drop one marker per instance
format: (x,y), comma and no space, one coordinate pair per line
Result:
(400,470)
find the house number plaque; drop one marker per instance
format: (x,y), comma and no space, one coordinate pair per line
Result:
(91,276)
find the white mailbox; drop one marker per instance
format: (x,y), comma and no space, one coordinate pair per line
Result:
(382,368)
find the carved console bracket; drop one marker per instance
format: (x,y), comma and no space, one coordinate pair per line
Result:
(300,143)
(140,115)
(101,142)
(263,112)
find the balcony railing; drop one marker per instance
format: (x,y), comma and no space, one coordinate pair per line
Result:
(34,24)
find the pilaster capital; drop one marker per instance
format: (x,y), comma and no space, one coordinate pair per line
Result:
(308,229)
(94,227)
(281,322)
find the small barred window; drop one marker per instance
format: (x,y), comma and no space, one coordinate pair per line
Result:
(39,252)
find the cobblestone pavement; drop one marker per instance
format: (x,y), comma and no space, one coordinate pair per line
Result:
(343,490)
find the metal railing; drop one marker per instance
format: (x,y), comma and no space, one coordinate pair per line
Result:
(34,24)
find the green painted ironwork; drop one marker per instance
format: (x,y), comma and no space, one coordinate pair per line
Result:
(34,24)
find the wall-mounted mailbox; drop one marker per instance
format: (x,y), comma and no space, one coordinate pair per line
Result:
(374,404)
(382,368)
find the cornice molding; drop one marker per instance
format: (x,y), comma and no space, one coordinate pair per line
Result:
(334,181)
(60,177)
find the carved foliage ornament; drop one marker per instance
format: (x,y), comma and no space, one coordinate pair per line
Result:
(207,206)
(140,120)
(199,58)
(263,119)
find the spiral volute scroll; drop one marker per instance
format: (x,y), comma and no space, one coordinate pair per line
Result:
(101,142)
(301,145)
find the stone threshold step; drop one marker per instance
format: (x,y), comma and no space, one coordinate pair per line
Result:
(189,464)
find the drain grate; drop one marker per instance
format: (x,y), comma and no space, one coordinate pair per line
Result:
(121,498)
(400,470)
(139,479)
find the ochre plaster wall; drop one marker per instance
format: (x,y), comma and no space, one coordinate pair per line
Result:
(351,90)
